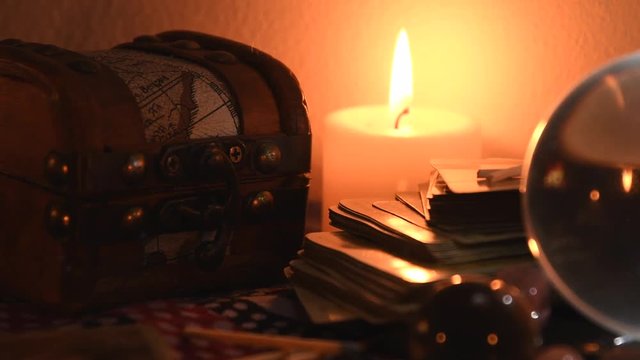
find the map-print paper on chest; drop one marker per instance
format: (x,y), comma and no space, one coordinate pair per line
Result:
(178,100)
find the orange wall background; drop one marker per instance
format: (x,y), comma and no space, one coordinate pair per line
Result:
(505,63)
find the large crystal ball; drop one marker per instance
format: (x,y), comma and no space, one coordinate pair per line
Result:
(581,197)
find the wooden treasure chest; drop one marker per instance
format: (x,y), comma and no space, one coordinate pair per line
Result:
(171,164)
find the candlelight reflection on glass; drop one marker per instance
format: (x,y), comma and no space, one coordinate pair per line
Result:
(373,151)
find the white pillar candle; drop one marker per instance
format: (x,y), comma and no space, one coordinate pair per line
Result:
(365,156)
(376,151)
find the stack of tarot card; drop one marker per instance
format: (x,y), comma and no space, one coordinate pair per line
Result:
(382,264)
(476,206)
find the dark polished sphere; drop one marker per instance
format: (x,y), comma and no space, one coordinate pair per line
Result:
(474,318)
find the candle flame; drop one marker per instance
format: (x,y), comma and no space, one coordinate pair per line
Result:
(401,87)
(627,179)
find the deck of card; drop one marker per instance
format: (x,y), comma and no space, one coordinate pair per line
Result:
(382,264)
(475,197)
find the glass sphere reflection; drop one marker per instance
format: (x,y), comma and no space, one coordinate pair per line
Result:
(582,197)
(535,287)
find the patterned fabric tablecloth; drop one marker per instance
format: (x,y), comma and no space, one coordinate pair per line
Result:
(269,310)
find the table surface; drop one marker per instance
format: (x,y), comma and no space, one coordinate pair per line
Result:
(273,310)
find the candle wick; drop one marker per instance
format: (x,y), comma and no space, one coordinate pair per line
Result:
(402,113)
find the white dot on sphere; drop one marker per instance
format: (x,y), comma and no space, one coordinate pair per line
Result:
(534,315)
(507,299)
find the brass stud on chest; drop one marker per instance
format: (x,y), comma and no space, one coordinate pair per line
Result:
(59,220)
(133,218)
(135,167)
(57,169)
(268,157)
(262,203)
(171,165)
(213,160)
